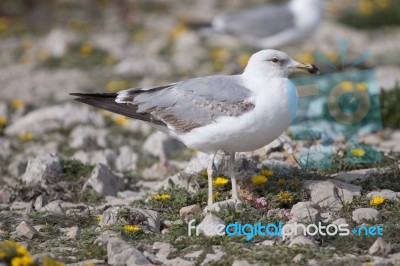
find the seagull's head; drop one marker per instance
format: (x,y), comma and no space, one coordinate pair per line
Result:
(273,63)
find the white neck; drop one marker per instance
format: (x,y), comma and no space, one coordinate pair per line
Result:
(261,84)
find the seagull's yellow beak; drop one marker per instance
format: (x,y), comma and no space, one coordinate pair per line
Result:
(309,68)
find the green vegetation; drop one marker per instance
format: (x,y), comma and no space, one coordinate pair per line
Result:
(90,196)
(390,106)
(83,248)
(75,170)
(80,55)
(371,14)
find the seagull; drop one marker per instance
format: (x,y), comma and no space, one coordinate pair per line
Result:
(272,26)
(231,113)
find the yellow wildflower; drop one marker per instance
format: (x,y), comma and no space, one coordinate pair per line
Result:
(22,261)
(121,120)
(3,121)
(117,85)
(17,104)
(47,261)
(17,252)
(266,172)
(99,218)
(358,152)
(281,181)
(86,49)
(220,181)
(377,200)
(131,228)
(21,250)
(26,136)
(259,179)
(285,197)
(178,30)
(161,197)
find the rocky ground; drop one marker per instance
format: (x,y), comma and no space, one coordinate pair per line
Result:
(85,187)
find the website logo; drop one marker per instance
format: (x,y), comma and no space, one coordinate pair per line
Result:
(279,230)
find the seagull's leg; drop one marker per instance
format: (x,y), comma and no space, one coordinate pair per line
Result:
(232,173)
(210,170)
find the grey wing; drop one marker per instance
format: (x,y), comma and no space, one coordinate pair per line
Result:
(258,22)
(192,103)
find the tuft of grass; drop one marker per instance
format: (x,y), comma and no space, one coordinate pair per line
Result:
(90,196)
(170,207)
(390,108)
(74,170)
(61,220)
(389,179)
(86,249)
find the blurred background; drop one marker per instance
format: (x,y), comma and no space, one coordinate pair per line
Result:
(50,48)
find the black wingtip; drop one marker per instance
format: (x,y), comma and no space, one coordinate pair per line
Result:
(94,95)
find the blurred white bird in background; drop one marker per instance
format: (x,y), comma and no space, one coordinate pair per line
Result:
(272,25)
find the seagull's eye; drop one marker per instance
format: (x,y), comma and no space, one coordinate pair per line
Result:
(274,60)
